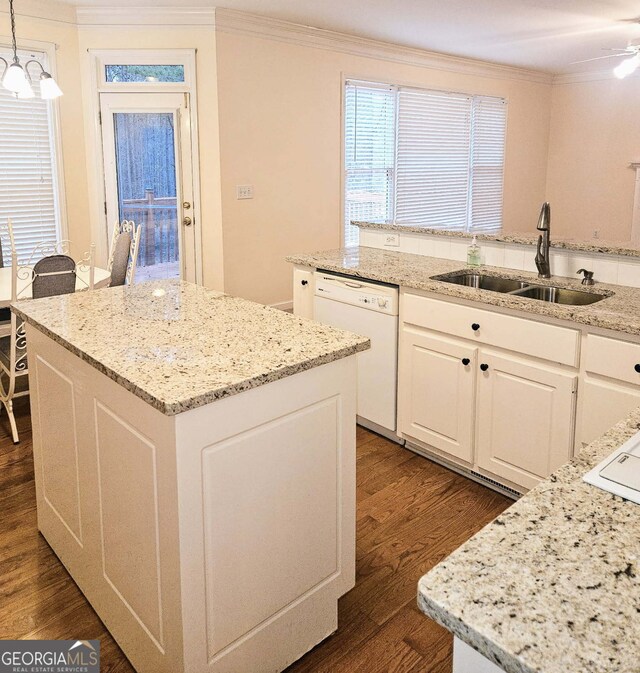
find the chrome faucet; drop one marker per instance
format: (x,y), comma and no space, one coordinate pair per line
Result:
(542,254)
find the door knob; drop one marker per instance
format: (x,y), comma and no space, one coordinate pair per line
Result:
(484,367)
(187,221)
(465,361)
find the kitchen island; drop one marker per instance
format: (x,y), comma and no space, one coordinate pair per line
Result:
(195,470)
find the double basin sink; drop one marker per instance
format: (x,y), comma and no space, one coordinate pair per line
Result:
(522,288)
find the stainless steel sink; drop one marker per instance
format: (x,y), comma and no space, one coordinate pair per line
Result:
(559,295)
(521,288)
(482,281)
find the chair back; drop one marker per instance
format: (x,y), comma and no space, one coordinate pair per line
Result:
(120,261)
(123,255)
(54,275)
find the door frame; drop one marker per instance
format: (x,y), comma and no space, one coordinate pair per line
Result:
(175,104)
(99,59)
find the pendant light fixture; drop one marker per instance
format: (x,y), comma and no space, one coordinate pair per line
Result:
(16,78)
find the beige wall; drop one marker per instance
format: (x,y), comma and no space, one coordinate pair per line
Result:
(280,130)
(594,136)
(60,29)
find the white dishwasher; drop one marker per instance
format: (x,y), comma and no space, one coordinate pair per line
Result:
(370,309)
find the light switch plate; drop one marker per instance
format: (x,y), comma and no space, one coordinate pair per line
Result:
(392,240)
(244,191)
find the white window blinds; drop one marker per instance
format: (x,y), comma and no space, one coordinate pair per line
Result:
(27,187)
(369,155)
(441,165)
(489,130)
(434,141)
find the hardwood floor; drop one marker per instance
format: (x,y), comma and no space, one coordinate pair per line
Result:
(411,514)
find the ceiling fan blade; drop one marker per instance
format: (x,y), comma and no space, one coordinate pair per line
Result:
(597,58)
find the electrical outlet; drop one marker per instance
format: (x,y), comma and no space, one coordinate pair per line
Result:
(392,240)
(244,191)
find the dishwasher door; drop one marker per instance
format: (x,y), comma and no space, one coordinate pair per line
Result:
(377,367)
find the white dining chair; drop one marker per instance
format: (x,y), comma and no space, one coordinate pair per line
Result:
(123,255)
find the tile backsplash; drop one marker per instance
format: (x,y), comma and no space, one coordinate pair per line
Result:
(607,268)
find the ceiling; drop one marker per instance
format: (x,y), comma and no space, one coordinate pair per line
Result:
(544,35)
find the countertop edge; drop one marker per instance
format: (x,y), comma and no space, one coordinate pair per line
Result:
(521,238)
(479,642)
(567,313)
(181,406)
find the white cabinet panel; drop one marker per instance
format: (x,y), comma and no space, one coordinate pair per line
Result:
(252,483)
(525,418)
(303,291)
(61,482)
(436,393)
(603,404)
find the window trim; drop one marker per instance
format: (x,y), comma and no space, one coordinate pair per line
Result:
(397,85)
(48,50)
(105,57)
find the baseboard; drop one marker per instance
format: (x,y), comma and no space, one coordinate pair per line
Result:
(465,472)
(283,306)
(379,430)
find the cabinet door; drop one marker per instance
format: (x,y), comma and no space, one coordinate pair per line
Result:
(602,404)
(526,415)
(303,290)
(436,392)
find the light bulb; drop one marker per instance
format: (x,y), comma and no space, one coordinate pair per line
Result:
(14,78)
(49,88)
(628,66)
(26,91)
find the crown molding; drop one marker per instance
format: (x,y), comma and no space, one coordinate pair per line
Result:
(44,10)
(593,76)
(579,77)
(145,16)
(242,23)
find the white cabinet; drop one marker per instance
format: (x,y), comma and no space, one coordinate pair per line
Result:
(610,387)
(436,392)
(603,403)
(526,414)
(303,290)
(487,391)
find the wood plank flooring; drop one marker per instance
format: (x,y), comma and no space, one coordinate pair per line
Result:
(411,514)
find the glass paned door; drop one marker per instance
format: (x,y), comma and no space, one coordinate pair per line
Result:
(147,179)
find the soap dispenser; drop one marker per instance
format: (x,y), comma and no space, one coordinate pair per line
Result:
(473,253)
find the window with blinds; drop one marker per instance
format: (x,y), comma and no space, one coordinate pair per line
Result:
(369,137)
(28,187)
(447,158)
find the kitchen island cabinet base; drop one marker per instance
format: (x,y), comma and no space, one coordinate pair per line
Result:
(214,541)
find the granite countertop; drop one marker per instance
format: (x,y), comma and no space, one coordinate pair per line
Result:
(620,311)
(553,584)
(623,248)
(179,346)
